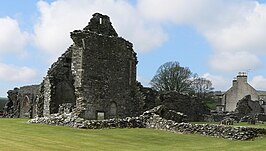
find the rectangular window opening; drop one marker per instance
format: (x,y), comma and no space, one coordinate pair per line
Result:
(101,20)
(100,115)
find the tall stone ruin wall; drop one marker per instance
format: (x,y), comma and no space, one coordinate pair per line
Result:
(97,74)
(108,84)
(23,101)
(2,103)
(57,87)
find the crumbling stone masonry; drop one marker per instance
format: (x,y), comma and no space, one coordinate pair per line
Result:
(95,78)
(193,107)
(248,107)
(152,119)
(22,102)
(97,74)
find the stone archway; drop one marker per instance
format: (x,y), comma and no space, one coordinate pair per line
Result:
(25,107)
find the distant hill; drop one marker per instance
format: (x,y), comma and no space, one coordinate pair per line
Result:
(2,102)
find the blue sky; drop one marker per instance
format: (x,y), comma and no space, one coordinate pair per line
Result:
(215,39)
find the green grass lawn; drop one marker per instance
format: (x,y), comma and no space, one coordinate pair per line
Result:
(16,135)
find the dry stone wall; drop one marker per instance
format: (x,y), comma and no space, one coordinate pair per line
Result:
(150,119)
(72,120)
(221,131)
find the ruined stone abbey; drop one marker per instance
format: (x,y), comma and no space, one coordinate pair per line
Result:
(93,86)
(95,77)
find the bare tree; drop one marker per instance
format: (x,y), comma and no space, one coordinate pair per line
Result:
(172,77)
(201,86)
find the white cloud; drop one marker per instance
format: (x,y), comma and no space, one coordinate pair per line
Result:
(178,11)
(12,39)
(61,17)
(245,34)
(234,61)
(13,73)
(201,14)
(259,82)
(218,82)
(234,29)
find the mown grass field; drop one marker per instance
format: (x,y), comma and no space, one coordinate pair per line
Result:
(16,135)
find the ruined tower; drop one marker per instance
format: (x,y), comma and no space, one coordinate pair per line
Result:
(97,74)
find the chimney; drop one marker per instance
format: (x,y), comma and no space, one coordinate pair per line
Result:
(234,81)
(242,77)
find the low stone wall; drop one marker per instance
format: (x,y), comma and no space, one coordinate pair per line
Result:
(221,131)
(151,120)
(73,120)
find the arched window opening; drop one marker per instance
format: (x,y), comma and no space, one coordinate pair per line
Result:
(25,107)
(113,110)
